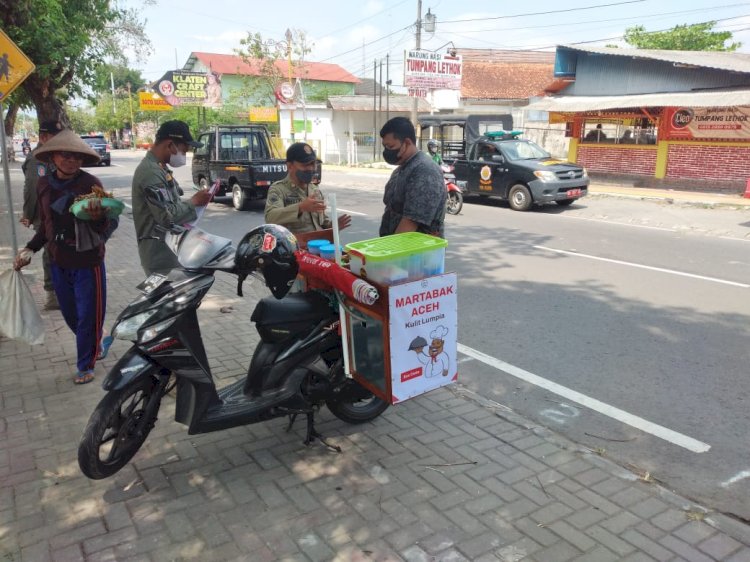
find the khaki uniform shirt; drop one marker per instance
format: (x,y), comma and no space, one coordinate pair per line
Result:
(282,207)
(33,169)
(156,201)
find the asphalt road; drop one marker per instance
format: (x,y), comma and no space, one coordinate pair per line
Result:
(623,324)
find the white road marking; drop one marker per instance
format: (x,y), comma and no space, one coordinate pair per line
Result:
(641,266)
(737,239)
(736,478)
(357,213)
(592,403)
(563,216)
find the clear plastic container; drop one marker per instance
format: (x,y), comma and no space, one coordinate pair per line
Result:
(313,246)
(397,258)
(328,251)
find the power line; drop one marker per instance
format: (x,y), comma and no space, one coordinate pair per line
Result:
(568,24)
(549,12)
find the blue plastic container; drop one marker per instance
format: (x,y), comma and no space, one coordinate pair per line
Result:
(314,246)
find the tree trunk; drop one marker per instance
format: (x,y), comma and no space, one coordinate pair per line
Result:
(42,94)
(10,124)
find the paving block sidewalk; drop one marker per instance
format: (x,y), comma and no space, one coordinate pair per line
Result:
(447,476)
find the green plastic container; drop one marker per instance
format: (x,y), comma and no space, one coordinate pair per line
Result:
(398,258)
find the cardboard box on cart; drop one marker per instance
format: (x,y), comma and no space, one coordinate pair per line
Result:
(406,343)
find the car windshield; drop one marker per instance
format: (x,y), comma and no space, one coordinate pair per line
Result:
(523,150)
(94,140)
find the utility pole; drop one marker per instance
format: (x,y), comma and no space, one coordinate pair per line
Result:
(415,103)
(374,109)
(132,121)
(387,87)
(288,36)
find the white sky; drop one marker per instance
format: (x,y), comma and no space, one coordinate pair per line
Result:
(353,34)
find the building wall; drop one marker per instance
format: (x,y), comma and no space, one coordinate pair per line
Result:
(722,162)
(617,160)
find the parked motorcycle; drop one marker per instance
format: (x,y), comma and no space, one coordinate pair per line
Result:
(455,200)
(295,369)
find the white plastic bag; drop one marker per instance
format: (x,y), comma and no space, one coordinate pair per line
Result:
(19,316)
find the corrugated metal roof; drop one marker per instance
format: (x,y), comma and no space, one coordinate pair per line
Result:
(398,104)
(734,62)
(722,98)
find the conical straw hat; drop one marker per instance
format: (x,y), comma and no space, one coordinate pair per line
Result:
(67,141)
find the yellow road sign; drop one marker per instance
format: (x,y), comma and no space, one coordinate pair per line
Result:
(15,67)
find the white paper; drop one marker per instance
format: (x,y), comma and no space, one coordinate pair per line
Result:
(200,210)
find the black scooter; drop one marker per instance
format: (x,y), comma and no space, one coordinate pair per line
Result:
(296,367)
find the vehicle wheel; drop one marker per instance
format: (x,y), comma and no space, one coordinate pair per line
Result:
(520,198)
(454,203)
(565,202)
(364,408)
(108,162)
(203,183)
(240,201)
(110,439)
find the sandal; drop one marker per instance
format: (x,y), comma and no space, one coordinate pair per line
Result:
(84,377)
(104,347)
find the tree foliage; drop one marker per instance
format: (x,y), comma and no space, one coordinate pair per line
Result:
(275,60)
(68,40)
(120,74)
(698,37)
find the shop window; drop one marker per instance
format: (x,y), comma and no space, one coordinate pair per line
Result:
(623,131)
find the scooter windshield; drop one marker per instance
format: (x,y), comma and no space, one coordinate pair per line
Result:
(196,248)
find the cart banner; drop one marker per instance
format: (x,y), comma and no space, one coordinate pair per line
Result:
(193,89)
(423,325)
(727,123)
(434,71)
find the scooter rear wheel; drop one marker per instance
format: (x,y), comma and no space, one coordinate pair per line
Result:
(112,437)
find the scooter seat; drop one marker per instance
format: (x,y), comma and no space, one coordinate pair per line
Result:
(277,320)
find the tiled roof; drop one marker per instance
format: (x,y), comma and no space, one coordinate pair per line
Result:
(506,55)
(234,64)
(482,80)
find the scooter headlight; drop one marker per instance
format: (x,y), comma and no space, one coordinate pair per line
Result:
(128,328)
(153,331)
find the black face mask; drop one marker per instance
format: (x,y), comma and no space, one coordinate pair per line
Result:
(390,155)
(304,176)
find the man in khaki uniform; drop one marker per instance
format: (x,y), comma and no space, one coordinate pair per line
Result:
(292,203)
(33,169)
(156,196)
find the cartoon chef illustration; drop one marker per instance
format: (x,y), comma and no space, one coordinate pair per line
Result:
(436,360)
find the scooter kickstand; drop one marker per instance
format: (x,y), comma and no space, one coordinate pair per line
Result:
(292,417)
(313,434)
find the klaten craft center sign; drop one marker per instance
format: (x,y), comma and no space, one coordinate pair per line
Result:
(434,71)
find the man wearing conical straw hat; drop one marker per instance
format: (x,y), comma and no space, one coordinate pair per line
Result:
(76,246)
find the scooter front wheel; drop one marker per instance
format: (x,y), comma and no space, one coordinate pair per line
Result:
(454,202)
(118,427)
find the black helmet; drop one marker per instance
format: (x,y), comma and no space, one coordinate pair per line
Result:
(268,248)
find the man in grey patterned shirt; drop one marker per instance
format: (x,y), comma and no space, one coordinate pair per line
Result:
(415,193)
